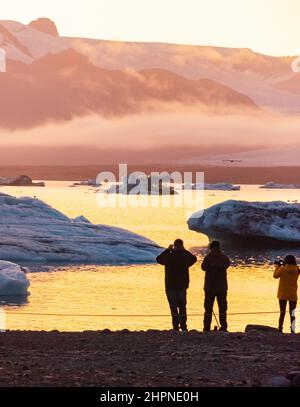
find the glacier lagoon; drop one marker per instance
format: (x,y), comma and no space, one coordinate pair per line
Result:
(77,297)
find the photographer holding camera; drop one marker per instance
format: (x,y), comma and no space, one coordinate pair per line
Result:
(288,272)
(177,261)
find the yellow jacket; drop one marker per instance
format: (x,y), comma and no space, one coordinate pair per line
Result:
(288,287)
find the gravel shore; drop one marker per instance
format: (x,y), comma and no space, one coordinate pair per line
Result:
(152,358)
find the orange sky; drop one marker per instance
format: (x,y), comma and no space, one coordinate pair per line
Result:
(267,26)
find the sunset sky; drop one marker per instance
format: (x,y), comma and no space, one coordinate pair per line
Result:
(267,26)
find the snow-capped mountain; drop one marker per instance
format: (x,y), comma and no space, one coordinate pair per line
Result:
(257,76)
(26,43)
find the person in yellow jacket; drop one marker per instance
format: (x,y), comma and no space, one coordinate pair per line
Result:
(288,273)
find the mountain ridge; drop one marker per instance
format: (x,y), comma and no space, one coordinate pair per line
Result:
(254,74)
(88,89)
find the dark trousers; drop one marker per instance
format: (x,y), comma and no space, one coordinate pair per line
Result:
(177,303)
(292,307)
(210,297)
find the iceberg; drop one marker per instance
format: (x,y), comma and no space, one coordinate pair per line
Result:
(220,186)
(89,182)
(273,185)
(13,280)
(23,180)
(32,231)
(150,185)
(243,221)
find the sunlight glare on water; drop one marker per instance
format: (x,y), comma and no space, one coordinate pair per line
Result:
(120,293)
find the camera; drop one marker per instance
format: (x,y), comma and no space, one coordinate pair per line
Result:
(278,262)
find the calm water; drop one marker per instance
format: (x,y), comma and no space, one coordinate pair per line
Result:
(132,296)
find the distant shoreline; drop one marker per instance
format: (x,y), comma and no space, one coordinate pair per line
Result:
(213,174)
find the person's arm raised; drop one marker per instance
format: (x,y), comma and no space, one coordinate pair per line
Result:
(278,271)
(163,257)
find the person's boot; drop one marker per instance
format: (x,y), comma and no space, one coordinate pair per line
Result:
(223,329)
(281,322)
(184,331)
(183,323)
(293,324)
(184,328)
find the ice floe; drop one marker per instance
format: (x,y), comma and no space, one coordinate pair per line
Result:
(242,220)
(13,280)
(220,186)
(31,230)
(274,185)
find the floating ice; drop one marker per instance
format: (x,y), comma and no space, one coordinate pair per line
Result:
(13,280)
(31,230)
(273,185)
(242,220)
(23,180)
(89,182)
(220,186)
(143,185)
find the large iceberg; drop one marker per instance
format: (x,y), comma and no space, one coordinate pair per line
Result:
(13,280)
(31,230)
(249,221)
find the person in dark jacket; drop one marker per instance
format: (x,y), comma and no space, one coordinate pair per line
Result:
(177,261)
(215,265)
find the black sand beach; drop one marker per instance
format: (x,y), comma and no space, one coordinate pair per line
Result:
(153,358)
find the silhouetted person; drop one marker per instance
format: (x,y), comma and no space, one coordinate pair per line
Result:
(215,265)
(288,273)
(177,261)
